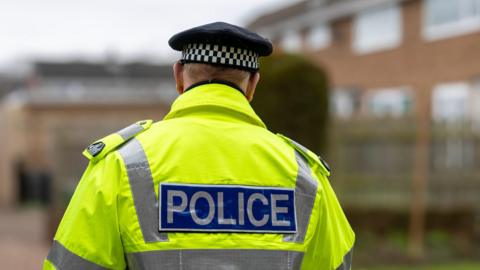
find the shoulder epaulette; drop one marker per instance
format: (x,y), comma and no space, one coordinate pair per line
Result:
(309,155)
(100,148)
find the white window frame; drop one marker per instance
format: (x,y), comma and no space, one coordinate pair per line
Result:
(447,30)
(291,41)
(403,90)
(319,37)
(455,90)
(343,102)
(395,41)
(476,105)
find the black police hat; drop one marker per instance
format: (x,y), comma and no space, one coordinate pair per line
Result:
(222,44)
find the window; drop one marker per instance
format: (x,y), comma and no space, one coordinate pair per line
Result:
(291,42)
(345,102)
(451,102)
(377,29)
(450,18)
(454,104)
(319,37)
(394,102)
(453,154)
(476,106)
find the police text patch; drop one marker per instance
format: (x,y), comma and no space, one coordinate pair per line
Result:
(225,208)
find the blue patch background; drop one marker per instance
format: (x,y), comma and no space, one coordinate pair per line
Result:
(183,221)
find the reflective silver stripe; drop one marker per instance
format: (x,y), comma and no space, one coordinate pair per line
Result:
(347,261)
(301,147)
(215,259)
(130,131)
(64,259)
(305,192)
(141,184)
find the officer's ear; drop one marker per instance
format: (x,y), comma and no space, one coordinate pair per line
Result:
(252,85)
(178,74)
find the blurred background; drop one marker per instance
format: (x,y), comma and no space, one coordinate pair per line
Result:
(399,109)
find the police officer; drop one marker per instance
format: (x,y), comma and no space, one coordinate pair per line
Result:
(209,187)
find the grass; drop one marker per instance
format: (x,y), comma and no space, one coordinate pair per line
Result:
(446,266)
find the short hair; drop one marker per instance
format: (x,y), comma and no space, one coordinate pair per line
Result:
(202,72)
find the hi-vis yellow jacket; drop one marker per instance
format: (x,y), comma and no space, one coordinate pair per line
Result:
(209,187)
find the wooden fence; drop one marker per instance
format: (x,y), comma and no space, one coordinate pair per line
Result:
(373,160)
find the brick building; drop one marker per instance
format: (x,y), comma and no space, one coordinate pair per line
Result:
(389,56)
(405,81)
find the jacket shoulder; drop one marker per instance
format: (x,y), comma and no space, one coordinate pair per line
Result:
(310,156)
(100,148)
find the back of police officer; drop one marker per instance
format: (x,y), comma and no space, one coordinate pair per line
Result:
(209,187)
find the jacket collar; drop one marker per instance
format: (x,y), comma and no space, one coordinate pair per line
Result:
(210,97)
(233,85)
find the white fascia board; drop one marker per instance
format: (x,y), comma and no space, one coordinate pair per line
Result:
(323,14)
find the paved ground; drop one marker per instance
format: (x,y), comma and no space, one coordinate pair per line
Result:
(22,239)
(446,266)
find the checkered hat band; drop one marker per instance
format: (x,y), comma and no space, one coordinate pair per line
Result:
(219,54)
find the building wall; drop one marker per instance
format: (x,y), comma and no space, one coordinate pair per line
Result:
(4,185)
(381,155)
(416,63)
(49,139)
(12,143)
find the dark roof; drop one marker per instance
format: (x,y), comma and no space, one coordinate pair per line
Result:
(102,70)
(8,84)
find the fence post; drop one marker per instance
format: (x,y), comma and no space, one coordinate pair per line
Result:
(421,173)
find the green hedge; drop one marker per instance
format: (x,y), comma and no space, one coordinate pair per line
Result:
(292,99)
